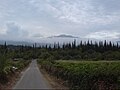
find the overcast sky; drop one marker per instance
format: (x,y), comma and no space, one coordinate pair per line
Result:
(39,19)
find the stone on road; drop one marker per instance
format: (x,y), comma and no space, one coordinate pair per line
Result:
(32,79)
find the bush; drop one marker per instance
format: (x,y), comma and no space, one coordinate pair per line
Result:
(86,75)
(6,67)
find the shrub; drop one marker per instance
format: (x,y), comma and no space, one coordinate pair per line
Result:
(86,75)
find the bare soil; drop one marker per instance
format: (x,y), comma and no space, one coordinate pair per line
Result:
(55,83)
(11,81)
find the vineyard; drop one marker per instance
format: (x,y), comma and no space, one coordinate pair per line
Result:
(95,75)
(9,67)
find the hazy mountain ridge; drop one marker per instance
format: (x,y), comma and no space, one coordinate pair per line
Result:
(9,42)
(63,36)
(51,40)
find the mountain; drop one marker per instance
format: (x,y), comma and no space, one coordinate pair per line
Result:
(21,43)
(63,36)
(15,42)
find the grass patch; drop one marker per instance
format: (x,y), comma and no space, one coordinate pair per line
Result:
(86,74)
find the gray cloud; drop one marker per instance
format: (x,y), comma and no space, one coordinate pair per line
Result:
(13,31)
(38,35)
(102,35)
(108,5)
(90,18)
(82,12)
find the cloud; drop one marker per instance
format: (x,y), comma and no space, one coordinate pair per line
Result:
(81,12)
(102,35)
(13,31)
(38,35)
(74,17)
(108,5)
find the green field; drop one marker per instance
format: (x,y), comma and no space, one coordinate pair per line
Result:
(85,74)
(83,61)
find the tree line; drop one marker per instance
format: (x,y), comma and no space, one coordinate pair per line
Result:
(87,50)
